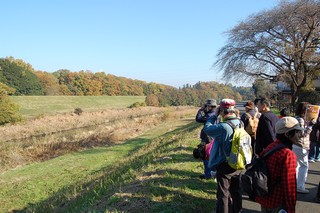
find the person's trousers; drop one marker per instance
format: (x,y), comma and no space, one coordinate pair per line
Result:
(314,152)
(207,170)
(229,190)
(302,165)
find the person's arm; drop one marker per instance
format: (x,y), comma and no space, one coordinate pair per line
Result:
(270,135)
(210,126)
(288,182)
(201,116)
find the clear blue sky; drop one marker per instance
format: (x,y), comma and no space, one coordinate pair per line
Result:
(173,42)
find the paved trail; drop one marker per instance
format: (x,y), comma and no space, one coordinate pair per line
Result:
(305,202)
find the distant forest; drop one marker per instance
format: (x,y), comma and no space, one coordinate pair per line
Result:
(21,77)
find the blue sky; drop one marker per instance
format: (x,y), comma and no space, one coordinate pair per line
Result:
(173,42)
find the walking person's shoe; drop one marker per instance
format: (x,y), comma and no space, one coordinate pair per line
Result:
(311,161)
(302,191)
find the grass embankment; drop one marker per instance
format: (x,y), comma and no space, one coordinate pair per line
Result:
(51,136)
(35,106)
(152,173)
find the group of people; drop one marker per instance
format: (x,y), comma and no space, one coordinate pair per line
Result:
(288,167)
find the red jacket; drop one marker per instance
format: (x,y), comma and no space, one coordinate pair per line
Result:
(282,172)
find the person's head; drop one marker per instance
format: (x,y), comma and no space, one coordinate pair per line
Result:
(284,112)
(249,106)
(301,109)
(227,106)
(263,105)
(211,104)
(288,129)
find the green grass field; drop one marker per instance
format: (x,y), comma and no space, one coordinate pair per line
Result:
(155,172)
(33,106)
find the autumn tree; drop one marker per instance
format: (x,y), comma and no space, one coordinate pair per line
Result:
(9,110)
(281,44)
(49,83)
(20,76)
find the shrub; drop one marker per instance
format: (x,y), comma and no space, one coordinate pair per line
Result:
(78,111)
(152,100)
(9,111)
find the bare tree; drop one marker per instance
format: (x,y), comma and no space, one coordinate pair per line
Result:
(281,44)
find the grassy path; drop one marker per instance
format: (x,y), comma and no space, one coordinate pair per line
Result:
(33,184)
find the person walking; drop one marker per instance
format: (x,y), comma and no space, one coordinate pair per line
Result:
(228,179)
(302,148)
(266,127)
(203,114)
(314,152)
(282,169)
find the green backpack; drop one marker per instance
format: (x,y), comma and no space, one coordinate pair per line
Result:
(241,150)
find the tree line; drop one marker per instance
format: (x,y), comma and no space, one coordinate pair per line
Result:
(197,94)
(19,78)
(24,80)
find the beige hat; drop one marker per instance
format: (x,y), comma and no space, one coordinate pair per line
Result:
(286,124)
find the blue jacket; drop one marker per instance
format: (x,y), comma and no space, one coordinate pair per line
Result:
(222,134)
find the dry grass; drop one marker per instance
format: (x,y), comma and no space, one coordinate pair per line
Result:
(51,136)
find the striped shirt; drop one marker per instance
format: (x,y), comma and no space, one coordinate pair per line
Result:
(282,173)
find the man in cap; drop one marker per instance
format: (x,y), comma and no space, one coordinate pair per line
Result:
(204,113)
(282,168)
(228,179)
(266,127)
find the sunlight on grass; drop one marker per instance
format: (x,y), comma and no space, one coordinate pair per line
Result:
(32,106)
(30,184)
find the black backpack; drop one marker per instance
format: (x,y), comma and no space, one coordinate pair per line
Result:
(255,180)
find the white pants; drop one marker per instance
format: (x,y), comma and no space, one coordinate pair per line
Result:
(302,165)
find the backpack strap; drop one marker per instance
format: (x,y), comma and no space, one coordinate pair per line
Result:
(273,150)
(241,124)
(249,115)
(255,115)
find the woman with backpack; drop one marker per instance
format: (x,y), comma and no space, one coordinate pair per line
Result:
(229,193)
(282,169)
(250,120)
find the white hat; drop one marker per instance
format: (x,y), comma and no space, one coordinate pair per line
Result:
(287,124)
